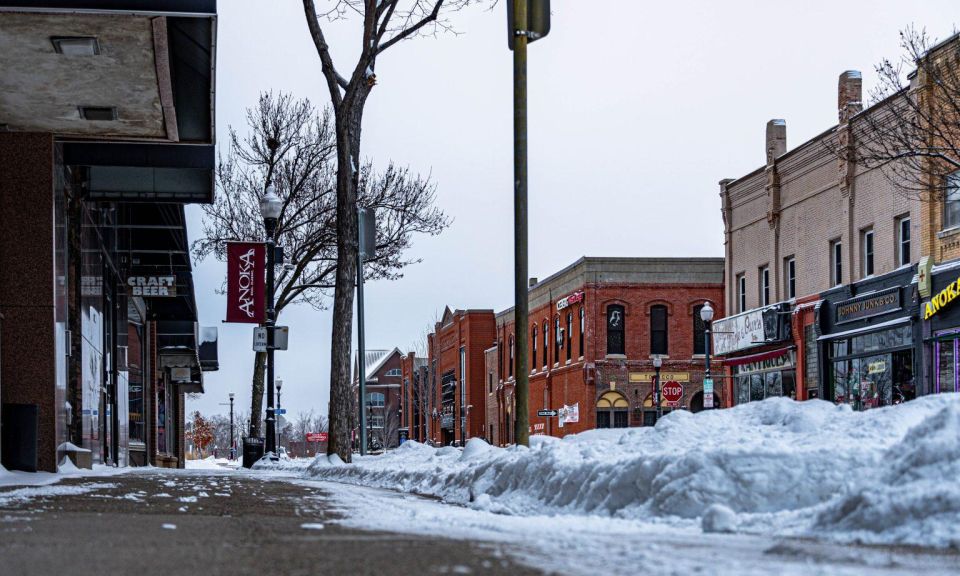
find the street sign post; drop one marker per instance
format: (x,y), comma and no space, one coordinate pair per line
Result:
(708,392)
(281,336)
(280,411)
(672,391)
(547,413)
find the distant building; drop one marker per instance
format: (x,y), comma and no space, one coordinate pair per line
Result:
(384,402)
(418,398)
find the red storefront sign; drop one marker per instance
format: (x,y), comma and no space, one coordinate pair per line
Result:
(245,282)
(316,436)
(569,300)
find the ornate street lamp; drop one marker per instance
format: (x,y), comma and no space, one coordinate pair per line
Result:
(270,206)
(706,314)
(657,364)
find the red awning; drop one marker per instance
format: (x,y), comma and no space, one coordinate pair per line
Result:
(757,357)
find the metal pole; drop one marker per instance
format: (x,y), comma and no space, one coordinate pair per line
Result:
(232,442)
(521,305)
(706,335)
(271,321)
(362,390)
(656,394)
(278,410)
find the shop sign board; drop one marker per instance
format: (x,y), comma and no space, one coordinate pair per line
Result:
(672,391)
(246,266)
(569,414)
(664,376)
(867,306)
(153,286)
(780,361)
(317,436)
(739,332)
(942,299)
(571,299)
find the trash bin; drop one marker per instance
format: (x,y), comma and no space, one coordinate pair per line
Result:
(252,451)
(19,436)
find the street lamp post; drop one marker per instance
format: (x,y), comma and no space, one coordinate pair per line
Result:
(657,364)
(231,423)
(279,386)
(706,314)
(270,206)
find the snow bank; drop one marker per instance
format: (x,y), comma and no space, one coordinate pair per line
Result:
(885,475)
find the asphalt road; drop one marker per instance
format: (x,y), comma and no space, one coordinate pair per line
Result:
(177,522)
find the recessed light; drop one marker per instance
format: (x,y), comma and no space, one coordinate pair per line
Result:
(102,113)
(76,45)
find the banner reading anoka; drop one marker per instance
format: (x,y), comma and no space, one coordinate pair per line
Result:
(245,282)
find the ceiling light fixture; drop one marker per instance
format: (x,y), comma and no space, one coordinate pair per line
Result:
(76,45)
(101,113)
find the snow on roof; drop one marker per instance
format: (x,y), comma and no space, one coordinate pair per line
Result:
(374,360)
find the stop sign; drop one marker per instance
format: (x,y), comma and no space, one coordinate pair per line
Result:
(672,391)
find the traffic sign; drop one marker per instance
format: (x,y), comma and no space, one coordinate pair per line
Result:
(672,391)
(280,411)
(280,338)
(547,412)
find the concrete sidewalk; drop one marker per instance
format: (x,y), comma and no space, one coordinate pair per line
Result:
(210,523)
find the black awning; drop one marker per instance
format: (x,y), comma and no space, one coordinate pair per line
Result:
(144,172)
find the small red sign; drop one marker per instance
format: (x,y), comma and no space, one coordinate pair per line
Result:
(316,436)
(672,391)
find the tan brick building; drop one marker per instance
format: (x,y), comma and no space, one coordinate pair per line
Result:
(595,328)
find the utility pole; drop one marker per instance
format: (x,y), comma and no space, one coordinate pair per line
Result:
(367,232)
(527,20)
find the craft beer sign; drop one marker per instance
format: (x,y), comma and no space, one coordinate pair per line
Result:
(152,286)
(245,282)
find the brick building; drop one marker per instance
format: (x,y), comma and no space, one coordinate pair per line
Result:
(456,361)
(418,398)
(595,329)
(384,398)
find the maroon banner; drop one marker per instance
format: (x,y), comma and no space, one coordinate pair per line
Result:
(246,266)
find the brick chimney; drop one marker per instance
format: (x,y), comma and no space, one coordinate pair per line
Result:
(776,139)
(849,95)
(532,282)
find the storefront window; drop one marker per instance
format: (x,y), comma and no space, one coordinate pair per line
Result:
(947,366)
(868,379)
(770,377)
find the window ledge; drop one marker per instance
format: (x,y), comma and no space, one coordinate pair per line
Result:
(947,232)
(616,356)
(662,356)
(567,362)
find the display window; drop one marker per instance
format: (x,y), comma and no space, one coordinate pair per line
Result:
(946,355)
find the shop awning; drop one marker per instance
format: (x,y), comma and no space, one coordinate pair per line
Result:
(769,355)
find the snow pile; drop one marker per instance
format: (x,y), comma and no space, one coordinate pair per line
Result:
(885,475)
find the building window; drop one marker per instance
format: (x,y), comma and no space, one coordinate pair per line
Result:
(903,240)
(501,363)
(490,383)
(393,372)
(533,349)
(790,277)
(546,343)
(569,335)
(951,201)
(765,286)
(615,322)
(510,365)
(741,293)
(581,331)
(699,331)
(376,400)
(658,329)
(867,247)
(836,263)
(557,339)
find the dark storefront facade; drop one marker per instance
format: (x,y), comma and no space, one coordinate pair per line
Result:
(940,311)
(869,335)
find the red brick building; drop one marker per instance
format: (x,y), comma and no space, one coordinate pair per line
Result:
(418,398)
(384,400)
(456,361)
(595,328)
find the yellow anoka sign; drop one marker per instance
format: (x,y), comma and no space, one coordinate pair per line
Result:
(941,299)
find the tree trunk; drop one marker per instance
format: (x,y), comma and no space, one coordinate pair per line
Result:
(256,399)
(348,119)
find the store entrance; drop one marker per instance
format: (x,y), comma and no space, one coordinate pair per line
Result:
(904,386)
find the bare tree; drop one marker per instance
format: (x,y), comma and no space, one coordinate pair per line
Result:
(385,24)
(913,134)
(221,431)
(422,392)
(292,145)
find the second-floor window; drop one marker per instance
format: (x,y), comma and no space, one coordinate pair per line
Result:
(903,241)
(581,331)
(615,322)
(951,201)
(557,339)
(658,329)
(741,293)
(866,245)
(699,331)
(569,335)
(533,349)
(836,263)
(790,277)
(765,286)
(546,343)
(393,372)
(510,365)
(376,400)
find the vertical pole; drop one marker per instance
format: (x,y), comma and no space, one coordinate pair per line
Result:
(271,320)
(521,306)
(656,395)
(706,335)
(361,365)
(278,420)
(232,443)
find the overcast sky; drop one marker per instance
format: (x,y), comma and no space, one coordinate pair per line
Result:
(636,111)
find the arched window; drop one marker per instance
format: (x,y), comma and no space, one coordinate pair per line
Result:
(546,343)
(615,322)
(510,365)
(557,339)
(533,348)
(699,331)
(581,331)
(658,329)
(612,410)
(569,335)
